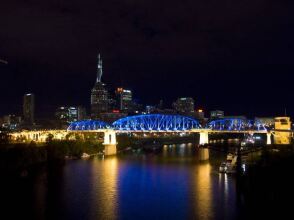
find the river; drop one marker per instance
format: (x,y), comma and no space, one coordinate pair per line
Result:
(169,184)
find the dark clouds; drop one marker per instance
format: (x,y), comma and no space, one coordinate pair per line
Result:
(226,54)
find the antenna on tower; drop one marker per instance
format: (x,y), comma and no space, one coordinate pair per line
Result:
(99,68)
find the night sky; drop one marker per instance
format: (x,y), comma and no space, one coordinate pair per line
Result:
(232,55)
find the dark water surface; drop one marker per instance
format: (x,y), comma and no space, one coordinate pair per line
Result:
(170,184)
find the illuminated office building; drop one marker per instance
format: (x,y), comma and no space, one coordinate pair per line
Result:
(124,99)
(184,105)
(70,114)
(29,109)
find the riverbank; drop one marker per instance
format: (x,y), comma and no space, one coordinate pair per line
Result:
(267,185)
(16,159)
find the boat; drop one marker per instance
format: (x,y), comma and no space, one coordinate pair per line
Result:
(85,155)
(223,167)
(229,166)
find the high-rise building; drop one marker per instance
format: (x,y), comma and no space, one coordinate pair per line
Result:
(82,113)
(64,115)
(99,96)
(124,99)
(29,109)
(70,114)
(10,122)
(184,105)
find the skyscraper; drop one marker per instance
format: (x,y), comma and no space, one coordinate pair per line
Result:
(65,114)
(29,109)
(184,105)
(124,99)
(99,95)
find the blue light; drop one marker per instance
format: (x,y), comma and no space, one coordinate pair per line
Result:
(156,122)
(87,125)
(234,124)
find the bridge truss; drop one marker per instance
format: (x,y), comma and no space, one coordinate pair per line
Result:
(156,122)
(88,125)
(236,124)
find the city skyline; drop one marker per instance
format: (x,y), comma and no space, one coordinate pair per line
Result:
(168,103)
(127,109)
(241,64)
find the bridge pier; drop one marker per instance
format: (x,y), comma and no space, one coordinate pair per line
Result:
(203,138)
(109,142)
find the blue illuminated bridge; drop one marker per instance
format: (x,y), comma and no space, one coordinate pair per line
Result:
(149,123)
(236,124)
(152,122)
(169,123)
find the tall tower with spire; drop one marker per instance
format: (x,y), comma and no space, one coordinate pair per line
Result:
(99,95)
(99,68)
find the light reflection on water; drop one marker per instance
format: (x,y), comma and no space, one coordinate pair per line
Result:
(203,192)
(172,184)
(105,188)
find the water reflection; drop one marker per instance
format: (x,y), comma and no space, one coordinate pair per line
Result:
(105,177)
(40,196)
(170,184)
(203,192)
(227,195)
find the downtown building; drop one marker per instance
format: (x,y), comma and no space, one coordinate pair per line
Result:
(29,109)
(67,114)
(124,100)
(100,98)
(184,105)
(10,122)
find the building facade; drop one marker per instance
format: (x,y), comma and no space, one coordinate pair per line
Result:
(283,127)
(124,99)
(184,105)
(65,115)
(10,122)
(29,109)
